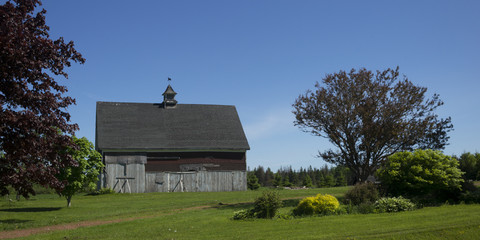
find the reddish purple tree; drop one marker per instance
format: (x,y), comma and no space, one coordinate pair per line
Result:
(35,126)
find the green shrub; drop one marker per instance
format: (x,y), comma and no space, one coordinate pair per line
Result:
(242,214)
(267,205)
(362,193)
(366,208)
(394,204)
(471,197)
(102,191)
(423,174)
(320,204)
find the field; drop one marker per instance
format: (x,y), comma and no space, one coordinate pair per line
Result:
(207,216)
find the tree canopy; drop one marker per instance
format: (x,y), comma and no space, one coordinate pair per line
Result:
(368,116)
(84,175)
(423,173)
(33,108)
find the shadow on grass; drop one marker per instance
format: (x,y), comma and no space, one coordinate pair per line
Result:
(14,221)
(30,209)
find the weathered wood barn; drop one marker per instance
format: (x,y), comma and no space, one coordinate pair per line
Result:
(167,147)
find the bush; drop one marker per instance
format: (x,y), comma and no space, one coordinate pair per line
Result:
(423,174)
(267,205)
(394,204)
(362,193)
(320,204)
(242,214)
(102,191)
(366,208)
(471,197)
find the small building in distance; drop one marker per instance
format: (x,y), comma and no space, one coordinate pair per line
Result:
(170,147)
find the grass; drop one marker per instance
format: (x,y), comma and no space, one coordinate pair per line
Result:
(446,222)
(49,209)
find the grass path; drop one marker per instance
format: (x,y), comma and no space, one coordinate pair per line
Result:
(70,226)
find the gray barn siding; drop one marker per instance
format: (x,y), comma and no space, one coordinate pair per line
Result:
(121,166)
(201,181)
(132,165)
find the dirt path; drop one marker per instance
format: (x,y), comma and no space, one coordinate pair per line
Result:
(75,225)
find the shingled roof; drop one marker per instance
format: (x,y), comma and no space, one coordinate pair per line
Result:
(148,126)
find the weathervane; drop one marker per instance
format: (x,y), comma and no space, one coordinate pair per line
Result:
(169,80)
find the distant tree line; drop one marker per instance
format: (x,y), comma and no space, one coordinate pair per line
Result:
(308,177)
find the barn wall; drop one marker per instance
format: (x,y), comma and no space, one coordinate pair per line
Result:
(201,181)
(185,176)
(195,161)
(121,166)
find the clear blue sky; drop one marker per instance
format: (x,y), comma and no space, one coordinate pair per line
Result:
(260,55)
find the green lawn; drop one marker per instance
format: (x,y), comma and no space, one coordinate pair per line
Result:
(446,222)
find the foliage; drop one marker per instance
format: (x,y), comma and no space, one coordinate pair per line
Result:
(319,177)
(252,181)
(242,214)
(307,181)
(277,180)
(394,204)
(368,117)
(320,204)
(267,205)
(103,191)
(471,193)
(33,108)
(362,193)
(470,165)
(423,173)
(366,208)
(84,175)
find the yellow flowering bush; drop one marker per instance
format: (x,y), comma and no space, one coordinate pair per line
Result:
(320,204)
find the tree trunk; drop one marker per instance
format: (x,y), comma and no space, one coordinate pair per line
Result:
(69,201)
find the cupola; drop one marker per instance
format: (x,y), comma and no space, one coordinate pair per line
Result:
(169,97)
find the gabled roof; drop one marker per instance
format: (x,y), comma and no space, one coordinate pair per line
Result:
(148,126)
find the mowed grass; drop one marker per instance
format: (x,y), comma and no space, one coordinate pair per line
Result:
(49,209)
(165,221)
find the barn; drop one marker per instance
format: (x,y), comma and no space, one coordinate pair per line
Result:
(170,147)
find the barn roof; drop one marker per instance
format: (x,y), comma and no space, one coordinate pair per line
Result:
(149,126)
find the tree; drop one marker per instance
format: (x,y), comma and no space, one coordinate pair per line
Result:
(470,164)
(277,180)
(33,109)
(307,181)
(260,173)
(84,175)
(269,178)
(368,117)
(423,173)
(252,181)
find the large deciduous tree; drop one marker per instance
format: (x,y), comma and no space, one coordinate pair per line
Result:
(33,108)
(369,116)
